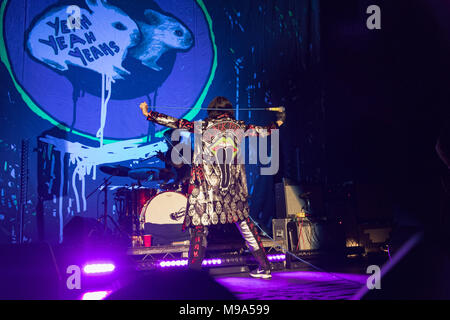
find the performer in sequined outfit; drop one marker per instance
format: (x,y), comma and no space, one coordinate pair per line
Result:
(218,187)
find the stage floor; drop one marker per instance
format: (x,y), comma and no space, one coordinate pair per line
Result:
(294,285)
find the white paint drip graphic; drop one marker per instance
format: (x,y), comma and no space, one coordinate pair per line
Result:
(86,159)
(106,89)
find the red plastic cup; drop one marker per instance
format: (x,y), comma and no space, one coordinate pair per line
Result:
(147,240)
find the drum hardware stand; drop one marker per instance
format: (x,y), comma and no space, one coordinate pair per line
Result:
(104,188)
(134,204)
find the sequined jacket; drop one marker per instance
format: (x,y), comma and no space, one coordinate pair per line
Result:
(218,187)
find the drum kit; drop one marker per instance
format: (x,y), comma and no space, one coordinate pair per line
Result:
(156,197)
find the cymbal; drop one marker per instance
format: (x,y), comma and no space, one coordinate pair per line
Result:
(151,173)
(142,173)
(147,173)
(115,170)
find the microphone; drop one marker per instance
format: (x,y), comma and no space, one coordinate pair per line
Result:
(278,109)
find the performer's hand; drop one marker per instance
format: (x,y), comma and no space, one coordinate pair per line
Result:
(281,118)
(144,108)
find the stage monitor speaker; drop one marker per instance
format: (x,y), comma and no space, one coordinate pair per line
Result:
(28,272)
(82,230)
(173,285)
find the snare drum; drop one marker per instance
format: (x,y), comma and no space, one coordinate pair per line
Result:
(165,208)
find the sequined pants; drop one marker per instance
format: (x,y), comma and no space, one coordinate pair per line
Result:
(198,241)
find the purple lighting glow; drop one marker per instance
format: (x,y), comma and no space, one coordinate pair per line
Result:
(211,262)
(173,263)
(95,268)
(276,257)
(95,295)
(184,262)
(296,285)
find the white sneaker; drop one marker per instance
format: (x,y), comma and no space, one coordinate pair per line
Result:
(261,273)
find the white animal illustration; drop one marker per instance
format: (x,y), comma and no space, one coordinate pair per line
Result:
(159,34)
(101,44)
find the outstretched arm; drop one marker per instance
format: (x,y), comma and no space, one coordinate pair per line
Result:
(166,120)
(253,130)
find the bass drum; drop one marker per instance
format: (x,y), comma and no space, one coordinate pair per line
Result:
(165,208)
(129,202)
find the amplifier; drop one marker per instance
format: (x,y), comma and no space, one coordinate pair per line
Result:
(288,202)
(297,234)
(295,200)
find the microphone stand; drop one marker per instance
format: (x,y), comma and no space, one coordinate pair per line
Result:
(98,188)
(105,204)
(104,187)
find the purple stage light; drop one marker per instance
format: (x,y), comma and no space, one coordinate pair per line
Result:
(173,263)
(95,295)
(95,268)
(208,262)
(276,257)
(184,262)
(211,262)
